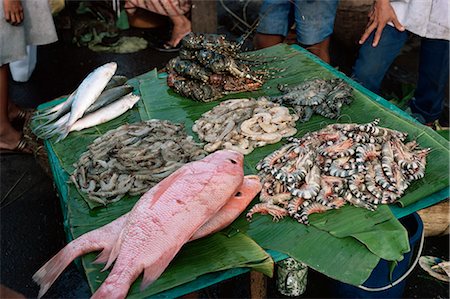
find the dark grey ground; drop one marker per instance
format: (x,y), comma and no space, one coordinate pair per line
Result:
(31,220)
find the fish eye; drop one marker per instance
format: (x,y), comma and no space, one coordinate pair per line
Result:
(238,194)
(232,161)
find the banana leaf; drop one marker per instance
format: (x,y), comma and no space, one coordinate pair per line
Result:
(384,239)
(219,252)
(344,259)
(383,236)
(334,246)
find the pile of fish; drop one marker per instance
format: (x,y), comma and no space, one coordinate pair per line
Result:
(133,158)
(320,96)
(363,164)
(244,124)
(200,198)
(99,98)
(209,66)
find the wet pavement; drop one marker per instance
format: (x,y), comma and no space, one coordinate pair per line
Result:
(31,220)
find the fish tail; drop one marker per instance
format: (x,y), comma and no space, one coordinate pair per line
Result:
(43,113)
(48,116)
(42,126)
(48,131)
(63,134)
(39,116)
(48,273)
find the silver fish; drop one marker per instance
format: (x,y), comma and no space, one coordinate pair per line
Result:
(109,96)
(106,114)
(86,94)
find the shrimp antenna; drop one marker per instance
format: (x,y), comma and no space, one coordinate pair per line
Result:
(249,32)
(250,27)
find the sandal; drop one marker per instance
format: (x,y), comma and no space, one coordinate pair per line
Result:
(22,117)
(21,148)
(165,47)
(24,114)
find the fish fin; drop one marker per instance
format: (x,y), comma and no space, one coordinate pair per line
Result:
(48,273)
(151,273)
(114,251)
(103,256)
(155,269)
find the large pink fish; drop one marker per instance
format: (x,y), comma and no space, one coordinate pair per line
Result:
(159,225)
(106,236)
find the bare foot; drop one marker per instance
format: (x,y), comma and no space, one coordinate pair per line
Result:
(181,27)
(13,111)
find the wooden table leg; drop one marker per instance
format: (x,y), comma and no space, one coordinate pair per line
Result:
(258,285)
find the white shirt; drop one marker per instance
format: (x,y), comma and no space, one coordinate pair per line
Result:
(426,18)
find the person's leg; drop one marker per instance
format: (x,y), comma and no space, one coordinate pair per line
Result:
(175,10)
(145,19)
(274,23)
(373,62)
(9,137)
(429,96)
(321,50)
(262,41)
(315,22)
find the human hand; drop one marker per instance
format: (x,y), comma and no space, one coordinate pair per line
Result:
(13,11)
(381,14)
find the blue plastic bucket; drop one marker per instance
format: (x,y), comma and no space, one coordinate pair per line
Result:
(378,285)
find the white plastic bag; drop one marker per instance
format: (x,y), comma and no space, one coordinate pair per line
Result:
(21,70)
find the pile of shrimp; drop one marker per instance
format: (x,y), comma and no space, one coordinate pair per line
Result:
(244,124)
(362,164)
(320,96)
(133,158)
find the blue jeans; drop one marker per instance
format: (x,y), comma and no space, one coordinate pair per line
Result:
(314,18)
(373,63)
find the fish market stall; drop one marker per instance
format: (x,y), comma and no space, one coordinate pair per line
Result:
(351,251)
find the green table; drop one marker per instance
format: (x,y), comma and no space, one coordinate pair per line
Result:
(71,207)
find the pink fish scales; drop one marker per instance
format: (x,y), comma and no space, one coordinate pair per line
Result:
(167,216)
